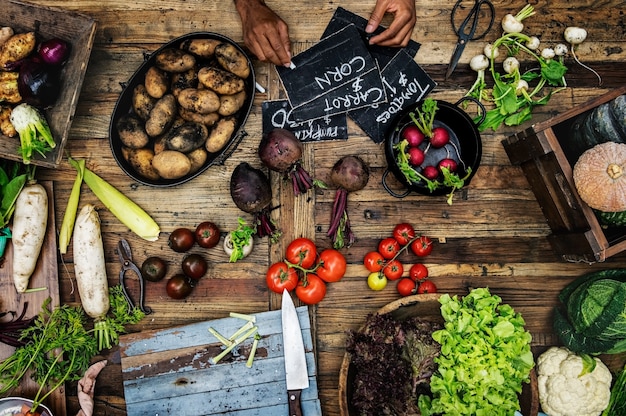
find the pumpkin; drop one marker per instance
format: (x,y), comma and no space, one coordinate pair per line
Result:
(600,177)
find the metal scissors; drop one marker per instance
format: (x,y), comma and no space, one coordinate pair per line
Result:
(466,31)
(126,258)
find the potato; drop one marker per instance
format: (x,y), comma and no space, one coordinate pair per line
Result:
(199,101)
(171,164)
(198,158)
(17,47)
(220,134)
(187,137)
(162,116)
(230,104)
(5,33)
(6,128)
(174,60)
(206,119)
(131,131)
(220,80)
(160,144)
(231,59)
(9,90)
(143,103)
(141,161)
(204,48)
(184,80)
(157,82)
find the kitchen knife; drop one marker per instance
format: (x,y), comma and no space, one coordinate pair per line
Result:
(295,360)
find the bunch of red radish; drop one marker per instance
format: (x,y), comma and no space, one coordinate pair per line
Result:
(419,144)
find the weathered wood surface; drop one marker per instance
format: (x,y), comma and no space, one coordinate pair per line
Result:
(493,235)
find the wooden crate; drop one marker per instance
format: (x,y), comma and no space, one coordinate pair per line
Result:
(543,153)
(75,28)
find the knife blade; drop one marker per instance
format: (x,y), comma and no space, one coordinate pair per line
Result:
(295,359)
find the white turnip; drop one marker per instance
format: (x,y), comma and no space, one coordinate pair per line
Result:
(349,174)
(575,36)
(30,220)
(281,151)
(513,24)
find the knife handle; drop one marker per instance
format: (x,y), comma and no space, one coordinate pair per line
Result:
(294,402)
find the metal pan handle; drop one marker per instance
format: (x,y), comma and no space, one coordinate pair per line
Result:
(391,191)
(482,113)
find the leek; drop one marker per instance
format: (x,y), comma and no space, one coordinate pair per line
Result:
(127,211)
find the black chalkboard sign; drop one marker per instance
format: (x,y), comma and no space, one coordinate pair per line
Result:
(277,114)
(382,54)
(405,83)
(333,69)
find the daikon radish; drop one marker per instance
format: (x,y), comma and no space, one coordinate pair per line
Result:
(30,221)
(90,271)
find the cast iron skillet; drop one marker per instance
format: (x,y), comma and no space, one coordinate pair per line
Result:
(464,136)
(124,106)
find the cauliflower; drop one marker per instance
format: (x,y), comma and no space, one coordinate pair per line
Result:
(571,384)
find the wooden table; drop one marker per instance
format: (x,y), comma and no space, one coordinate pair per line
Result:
(493,235)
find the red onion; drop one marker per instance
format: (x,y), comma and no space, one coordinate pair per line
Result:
(54,51)
(39,84)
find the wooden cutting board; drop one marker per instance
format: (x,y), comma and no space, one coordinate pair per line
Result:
(168,371)
(46,276)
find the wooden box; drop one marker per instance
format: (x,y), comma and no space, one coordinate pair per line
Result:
(75,28)
(543,153)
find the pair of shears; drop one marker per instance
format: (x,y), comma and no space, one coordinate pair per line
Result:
(466,31)
(126,258)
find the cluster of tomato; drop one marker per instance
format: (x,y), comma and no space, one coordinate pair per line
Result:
(384,265)
(193,266)
(306,271)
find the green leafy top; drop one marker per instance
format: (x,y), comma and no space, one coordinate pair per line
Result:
(240,237)
(425,116)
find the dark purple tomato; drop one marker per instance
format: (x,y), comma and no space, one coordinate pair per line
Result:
(154,269)
(179,286)
(194,266)
(181,240)
(207,234)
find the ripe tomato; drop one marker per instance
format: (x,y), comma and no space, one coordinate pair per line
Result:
(154,269)
(418,272)
(393,270)
(427,286)
(332,265)
(422,246)
(280,276)
(374,261)
(376,281)
(311,289)
(302,252)
(179,286)
(403,233)
(181,240)
(388,247)
(406,287)
(194,266)
(207,234)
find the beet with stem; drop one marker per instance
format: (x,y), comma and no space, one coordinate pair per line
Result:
(281,151)
(251,191)
(349,174)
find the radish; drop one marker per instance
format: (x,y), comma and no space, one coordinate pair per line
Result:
(90,271)
(440,137)
(430,172)
(447,163)
(413,135)
(416,156)
(30,220)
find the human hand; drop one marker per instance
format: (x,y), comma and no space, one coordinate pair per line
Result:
(264,32)
(399,32)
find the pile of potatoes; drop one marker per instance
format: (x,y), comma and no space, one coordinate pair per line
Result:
(185,109)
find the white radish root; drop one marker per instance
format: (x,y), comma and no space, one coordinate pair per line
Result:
(30,221)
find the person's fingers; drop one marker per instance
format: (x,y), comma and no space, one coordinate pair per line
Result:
(376,17)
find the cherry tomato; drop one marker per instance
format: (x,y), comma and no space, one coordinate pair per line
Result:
(418,272)
(374,261)
(207,234)
(280,276)
(376,281)
(302,252)
(388,247)
(311,289)
(153,269)
(406,287)
(422,246)
(332,265)
(403,233)
(181,240)
(179,286)
(393,270)
(427,286)
(194,266)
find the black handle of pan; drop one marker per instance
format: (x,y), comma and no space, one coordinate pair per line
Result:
(482,112)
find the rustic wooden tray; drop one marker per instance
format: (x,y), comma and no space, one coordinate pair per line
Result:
(48,22)
(167,371)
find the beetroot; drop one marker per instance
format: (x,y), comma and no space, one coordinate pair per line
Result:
(349,174)
(281,151)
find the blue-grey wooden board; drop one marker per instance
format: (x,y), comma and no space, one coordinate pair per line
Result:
(168,371)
